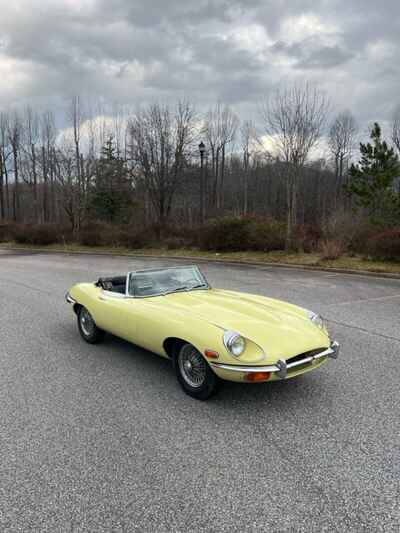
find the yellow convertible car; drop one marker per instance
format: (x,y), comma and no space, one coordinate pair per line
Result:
(209,334)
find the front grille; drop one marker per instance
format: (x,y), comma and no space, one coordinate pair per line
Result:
(304,355)
(300,357)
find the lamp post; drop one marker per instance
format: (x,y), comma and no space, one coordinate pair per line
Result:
(202,150)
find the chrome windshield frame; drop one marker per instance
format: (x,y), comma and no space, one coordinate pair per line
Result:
(164,293)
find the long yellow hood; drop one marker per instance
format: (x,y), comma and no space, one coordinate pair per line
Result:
(279,328)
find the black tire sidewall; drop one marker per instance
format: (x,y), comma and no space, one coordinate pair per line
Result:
(206,390)
(97,334)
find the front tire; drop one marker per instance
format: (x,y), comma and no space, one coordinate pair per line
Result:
(194,374)
(87,327)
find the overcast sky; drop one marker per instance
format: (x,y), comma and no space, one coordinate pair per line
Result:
(234,51)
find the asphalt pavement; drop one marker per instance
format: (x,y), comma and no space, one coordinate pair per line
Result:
(102,439)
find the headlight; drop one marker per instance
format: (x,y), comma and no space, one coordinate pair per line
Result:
(317,320)
(234,342)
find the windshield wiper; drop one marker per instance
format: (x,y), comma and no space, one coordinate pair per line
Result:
(176,289)
(185,288)
(190,287)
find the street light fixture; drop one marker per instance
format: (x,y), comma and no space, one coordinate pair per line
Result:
(202,150)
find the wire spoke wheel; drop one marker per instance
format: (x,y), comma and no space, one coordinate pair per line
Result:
(192,366)
(87,326)
(87,323)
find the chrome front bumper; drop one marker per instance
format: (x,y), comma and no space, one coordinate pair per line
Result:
(282,367)
(69,299)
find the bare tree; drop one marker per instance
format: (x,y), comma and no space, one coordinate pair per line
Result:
(64,163)
(220,128)
(396,128)
(2,205)
(14,134)
(48,137)
(46,176)
(5,152)
(30,139)
(249,142)
(341,144)
(119,127)
(160,145)
(76,119)
(294,119)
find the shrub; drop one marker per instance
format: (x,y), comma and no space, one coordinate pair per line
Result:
(134,239)
(91,237)
(99,234)
(331,249)
(267,236)
(171,237)
(226,234)
(46,234)
(231,234)
(66,235)
(7,231)
(385,245)
(39,234)
(175,243)
(181,236)
(23,235)
(358,236)
(307,237)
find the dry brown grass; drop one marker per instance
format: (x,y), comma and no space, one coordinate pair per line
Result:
(313,260)
(331,249)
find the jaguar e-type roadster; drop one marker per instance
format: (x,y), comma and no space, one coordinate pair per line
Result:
(209,334)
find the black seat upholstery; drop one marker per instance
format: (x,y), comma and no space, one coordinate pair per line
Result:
(114,284)
(119,288)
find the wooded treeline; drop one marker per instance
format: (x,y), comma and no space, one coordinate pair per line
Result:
(143,167)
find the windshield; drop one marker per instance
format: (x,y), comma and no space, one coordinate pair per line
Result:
(165,281)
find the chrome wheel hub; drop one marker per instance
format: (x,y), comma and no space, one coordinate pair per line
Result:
(192,366)
(87,323)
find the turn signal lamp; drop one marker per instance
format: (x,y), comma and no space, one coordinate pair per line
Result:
(258,376)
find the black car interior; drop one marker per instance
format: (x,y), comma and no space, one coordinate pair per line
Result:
(115,284)
(141,285)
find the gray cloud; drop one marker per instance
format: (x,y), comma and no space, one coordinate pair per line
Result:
(206,50)
(313,54)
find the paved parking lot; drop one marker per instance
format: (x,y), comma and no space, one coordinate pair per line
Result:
(101,438)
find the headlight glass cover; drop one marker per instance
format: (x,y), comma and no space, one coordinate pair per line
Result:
(234,342)
(317,320)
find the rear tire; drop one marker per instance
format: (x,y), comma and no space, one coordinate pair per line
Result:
(194,373)
(87,327)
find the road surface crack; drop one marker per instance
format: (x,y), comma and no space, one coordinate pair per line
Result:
(359,328)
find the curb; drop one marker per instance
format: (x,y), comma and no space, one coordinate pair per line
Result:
(232,262)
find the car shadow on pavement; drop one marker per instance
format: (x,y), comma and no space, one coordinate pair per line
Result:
(304,390)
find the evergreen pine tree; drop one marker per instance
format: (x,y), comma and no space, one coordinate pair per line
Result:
(112,189)
(372,179)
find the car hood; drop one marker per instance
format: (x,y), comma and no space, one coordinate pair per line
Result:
(276,326)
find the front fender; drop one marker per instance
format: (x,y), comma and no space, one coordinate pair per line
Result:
(87,294)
